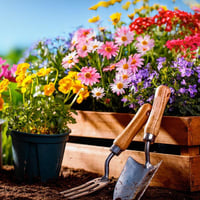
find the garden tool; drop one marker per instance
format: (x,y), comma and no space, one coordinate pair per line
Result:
(135,177)
(119,144)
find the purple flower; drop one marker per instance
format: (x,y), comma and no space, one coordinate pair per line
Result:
(183,82)
(192,90)
(182,90)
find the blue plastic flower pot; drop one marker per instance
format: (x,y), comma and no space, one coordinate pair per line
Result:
(37,156)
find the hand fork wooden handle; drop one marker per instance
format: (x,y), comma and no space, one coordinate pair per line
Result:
(119,145)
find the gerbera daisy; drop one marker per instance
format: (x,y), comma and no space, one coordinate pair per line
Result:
(89,76)
(98,92)
(124,36)
(135,61)
(108,49)
(123,75)
(109,68)
(118,86)
(70,60)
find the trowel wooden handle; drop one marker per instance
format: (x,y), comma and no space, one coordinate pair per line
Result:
(161,98)
(124,139)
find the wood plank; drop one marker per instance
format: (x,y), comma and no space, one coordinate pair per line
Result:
(195,175)
(174,130)
(173,173)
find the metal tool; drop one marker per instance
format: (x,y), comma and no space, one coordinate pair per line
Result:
(135,177)
(119,144)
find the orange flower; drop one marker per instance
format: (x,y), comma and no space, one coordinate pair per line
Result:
(65,85)
(44,72)
(49,89)
(1,103)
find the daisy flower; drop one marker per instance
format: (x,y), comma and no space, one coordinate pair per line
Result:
(98,92)
(135,61)
(109,68)
(70,60)
(118,86)
(108,49)
(145,41)
(88,76)
(94,45)
(143,49)
(124,36)
(122,65)
(83,49)
(123,75)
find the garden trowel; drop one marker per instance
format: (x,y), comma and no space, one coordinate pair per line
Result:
(135,177)
(120,144)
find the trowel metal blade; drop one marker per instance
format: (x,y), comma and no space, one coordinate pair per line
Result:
(134,180)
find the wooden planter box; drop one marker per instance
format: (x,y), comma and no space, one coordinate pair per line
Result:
(177,145)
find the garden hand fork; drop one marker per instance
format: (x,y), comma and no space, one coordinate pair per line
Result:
(119,145)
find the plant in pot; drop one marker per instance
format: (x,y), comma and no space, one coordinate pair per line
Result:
(38,124)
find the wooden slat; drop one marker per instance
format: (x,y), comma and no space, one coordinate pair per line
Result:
(173,173)
(174,130)
(195,175)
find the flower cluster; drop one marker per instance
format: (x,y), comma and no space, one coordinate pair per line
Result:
(121,69)
(45,103)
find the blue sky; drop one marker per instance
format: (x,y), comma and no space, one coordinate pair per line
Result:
(26,21)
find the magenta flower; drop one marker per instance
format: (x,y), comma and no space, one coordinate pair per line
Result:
(135,61)
(108,50)
(2,61)
(8,74)
(89,76)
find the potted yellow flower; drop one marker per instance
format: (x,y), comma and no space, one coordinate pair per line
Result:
(38,124)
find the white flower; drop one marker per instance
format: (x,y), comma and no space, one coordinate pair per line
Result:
(98,92)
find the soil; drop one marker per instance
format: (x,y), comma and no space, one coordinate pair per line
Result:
(11,189)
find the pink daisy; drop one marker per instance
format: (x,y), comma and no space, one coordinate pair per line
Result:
(109,68)
(122,65)
(89,76)
(70,60)
(118,86)
(108,49)
(83,49)
(135,61)
(145,41)
(124,36)
(143,49)
(123,75)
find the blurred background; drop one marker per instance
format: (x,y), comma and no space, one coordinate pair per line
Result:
(24,22)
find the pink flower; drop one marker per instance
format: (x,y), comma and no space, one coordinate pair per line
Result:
(89,76)
(94,45)
(144,42)
(8,74)
(2,61)
(83,49)
(124,36)
(123,65)
(118,86)
(135,61)
(70,60)
(109,68)
(108,49)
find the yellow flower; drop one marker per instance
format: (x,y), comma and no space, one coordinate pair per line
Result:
(164,7)
(115,18)
(103,4)
(26,81)
(94,19)
(126,5)
(77,86)
(4,85)
(131,16)
(1,103)
(112,2)
(19,79)
(23,90)
(65,85)
(72,75)
(83,95)
(49,89)
(21,68)
(44,72)
(136,1)
(94,7)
